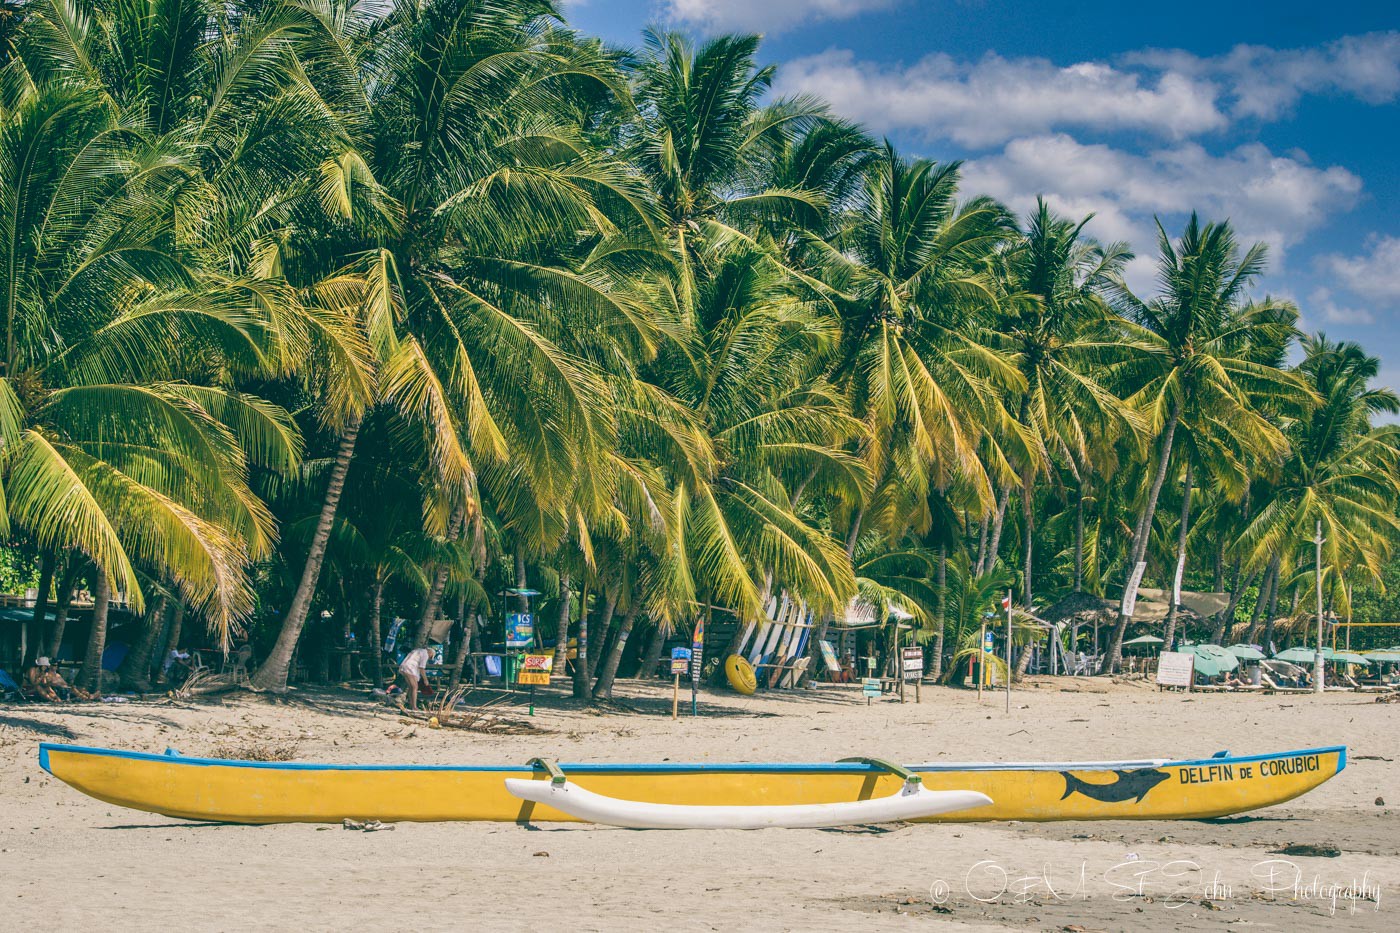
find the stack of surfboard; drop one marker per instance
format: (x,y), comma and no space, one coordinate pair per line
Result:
(776,647)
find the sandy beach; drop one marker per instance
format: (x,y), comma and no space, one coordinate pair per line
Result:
(68,861)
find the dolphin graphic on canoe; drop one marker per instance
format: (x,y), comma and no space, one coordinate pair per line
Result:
(1129,785)
(297,792)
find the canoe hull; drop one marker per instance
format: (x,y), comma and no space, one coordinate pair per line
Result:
(262,792)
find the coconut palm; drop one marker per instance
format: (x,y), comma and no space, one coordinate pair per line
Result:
(1189,356)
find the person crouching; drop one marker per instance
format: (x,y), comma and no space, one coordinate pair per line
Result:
(413,673)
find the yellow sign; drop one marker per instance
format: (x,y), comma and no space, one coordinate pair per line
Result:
(536,669)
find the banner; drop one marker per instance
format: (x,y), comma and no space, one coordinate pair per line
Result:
(1130,591)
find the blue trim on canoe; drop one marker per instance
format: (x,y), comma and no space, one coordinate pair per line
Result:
(654,768)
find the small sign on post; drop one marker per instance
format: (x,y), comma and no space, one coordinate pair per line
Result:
(870,686)
(520,630)
(680,661)
(912,667)
(1175,669)
(536,669)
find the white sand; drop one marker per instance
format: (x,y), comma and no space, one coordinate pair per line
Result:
(71,862)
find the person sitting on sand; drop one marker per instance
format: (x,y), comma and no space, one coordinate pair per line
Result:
(55,682)
(36,681)
(413,673)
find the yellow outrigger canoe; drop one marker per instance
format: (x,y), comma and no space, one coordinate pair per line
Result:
(233,791)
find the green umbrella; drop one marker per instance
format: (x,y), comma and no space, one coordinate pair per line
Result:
(1348,657)
(1299,655)
(1143,640)
(1246,652)
(1212,660)
(1388,655)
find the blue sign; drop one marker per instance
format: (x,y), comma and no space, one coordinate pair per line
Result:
(987,645)
(680,660)
(520,630)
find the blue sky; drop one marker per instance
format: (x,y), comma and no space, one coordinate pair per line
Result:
(1282,116)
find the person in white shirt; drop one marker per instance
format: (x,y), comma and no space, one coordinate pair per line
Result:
(413,673)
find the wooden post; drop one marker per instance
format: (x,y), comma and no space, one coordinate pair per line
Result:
(676,698)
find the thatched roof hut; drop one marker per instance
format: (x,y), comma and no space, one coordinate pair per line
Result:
(1080,607)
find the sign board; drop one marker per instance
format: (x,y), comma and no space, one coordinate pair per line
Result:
(697,650)
(870,686)
(1176,581)
(1174,668)
(680,660)
(1130,591)
(536,669)
(520,630)
(912,663)
(829,656)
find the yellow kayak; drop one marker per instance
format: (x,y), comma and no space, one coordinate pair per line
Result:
(291,792)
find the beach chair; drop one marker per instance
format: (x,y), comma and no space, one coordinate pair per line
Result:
(1271,687)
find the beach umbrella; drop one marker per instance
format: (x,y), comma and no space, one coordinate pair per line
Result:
(1246,652)
(1349,657)
(1143,640)
(1212,659)
(1299,655)
(1384,655)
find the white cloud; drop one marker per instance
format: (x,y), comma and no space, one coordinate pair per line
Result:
(1375,274)
(1169,94)
(1268,197)
(994,99)
(766,15)
(1333,313)
(1265,82)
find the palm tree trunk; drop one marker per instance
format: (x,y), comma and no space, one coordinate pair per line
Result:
(1079,541)
(1181,532)
(433,602)
(1227,618)
(272,675)
(598,633)
(1114,655)
(1027,532)
(91,675)
(65,602)
(652,655)
(561,625)
(464,645)
(985,526)
(941,617)
(582,681)
(602,689)
(998,522)
(135,669)
(376,637)
(35,643)
(172,640)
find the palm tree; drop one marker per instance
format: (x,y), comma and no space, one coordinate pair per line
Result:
(1053,317)
(1188,356)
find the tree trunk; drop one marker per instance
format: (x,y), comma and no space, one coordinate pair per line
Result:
(1268,643)
(1180,556)
(463,649)
(376,637)
(941,618)
(1227,618)
(652,655)
(602,689)
(581,680)
(1114,655)
(65,602)
(1028,547)
(91,676)
(135,669)
(438,586)
(34,645)
(272,675)
(172,641)
(598,635)
(1079,542)
(561,625)
(998,522)
(1256,616)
